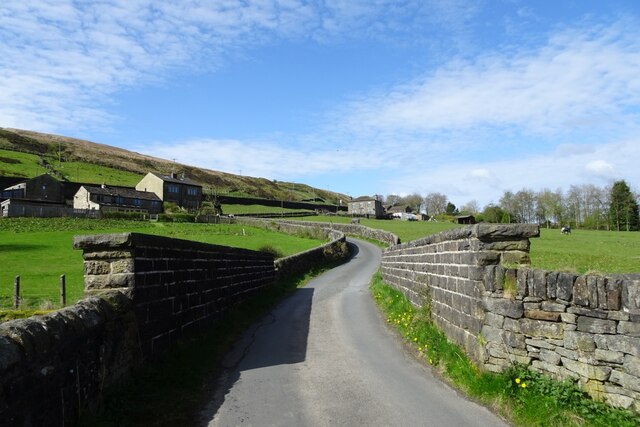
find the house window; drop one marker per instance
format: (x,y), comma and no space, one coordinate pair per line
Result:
(137,202)
(192,191)
(120,200)
(173,188)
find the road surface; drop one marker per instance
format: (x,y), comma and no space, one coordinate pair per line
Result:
(324,357)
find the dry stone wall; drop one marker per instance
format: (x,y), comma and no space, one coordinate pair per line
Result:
(355,229)
(485,298)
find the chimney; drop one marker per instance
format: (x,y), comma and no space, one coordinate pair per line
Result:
(174,175)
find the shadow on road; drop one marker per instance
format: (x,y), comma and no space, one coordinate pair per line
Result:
(279,338)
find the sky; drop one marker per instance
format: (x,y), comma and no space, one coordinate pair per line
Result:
(460,97)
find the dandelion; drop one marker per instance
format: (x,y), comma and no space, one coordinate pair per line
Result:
(430,361)
(517,380)
(523,385)
(415,339)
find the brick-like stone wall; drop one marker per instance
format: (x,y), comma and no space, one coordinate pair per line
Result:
(53,365)
(176,285)
(143,293)
(447,271)
(485,298)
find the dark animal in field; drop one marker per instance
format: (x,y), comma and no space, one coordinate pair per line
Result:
(355,220)
(566,230)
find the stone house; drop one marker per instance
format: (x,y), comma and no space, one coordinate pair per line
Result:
(172,188)
(116,199)
(366,206)
(42,188)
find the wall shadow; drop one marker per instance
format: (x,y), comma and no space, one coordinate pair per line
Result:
(279,338)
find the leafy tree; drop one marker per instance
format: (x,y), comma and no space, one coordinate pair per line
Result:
(451,209)
(492,213)
(623,208)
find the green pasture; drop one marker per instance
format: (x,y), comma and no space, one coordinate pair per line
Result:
(582,251)
(40,250)
(257,209)
(14,163)
(587,251)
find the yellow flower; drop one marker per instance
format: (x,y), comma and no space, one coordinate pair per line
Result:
(430,362)
(517,380)
(523,385)
(415,339)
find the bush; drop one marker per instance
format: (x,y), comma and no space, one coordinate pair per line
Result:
(271,250)
(131,216)
(180,217)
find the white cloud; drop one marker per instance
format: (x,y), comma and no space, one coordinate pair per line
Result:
(582,78)
(486,181)
(63,59)
(266,158)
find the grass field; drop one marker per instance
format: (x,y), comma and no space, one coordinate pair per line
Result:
(580,252)
(13,163)
(256,209)
(40,250)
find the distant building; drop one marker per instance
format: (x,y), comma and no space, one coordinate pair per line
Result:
(41,188)
(465,219)
(116,199)
(173,188)
(366,206)
(399,209)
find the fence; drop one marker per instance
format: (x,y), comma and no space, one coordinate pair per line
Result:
(19,295)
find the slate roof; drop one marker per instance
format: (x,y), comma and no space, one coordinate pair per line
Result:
(122,192)
(363,199)
(177,180)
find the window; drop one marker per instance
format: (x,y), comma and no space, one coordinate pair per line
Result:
(137,202)
(120,200)
(173,188)
(192,191)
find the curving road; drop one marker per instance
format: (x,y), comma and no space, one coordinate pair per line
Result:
(324,357)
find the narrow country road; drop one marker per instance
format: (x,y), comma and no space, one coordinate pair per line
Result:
(324,357)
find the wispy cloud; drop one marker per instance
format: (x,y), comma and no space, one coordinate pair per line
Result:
(582,78)
(62,60)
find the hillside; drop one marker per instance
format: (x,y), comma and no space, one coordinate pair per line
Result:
(26,153)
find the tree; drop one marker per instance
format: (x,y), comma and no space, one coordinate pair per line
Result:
(414,201)
(470,208)
(492,213)
(508,207)
(623,208)
(435,203)
(451,209)
(392,199)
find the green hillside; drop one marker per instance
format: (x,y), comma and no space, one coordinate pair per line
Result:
(26,153)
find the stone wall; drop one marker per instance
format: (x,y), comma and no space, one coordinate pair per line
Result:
(501,312)
(336,249)
(447,270)
(153,290)
(53,365)
(354,229)
(176,285)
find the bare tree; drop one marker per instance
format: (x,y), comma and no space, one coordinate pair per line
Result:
(435,203)
(471,207)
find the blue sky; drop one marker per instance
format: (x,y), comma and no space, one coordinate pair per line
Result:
(465,98)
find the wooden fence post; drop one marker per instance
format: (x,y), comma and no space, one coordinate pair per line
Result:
(16,293)
(63,291)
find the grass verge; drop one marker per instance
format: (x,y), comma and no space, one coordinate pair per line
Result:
(169,391)
(523,397)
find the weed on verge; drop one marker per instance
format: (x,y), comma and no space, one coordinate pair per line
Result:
(524,397)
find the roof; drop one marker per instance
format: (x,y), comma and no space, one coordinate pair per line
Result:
(364,199)
(176,180)
(400,208)
(122,192)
